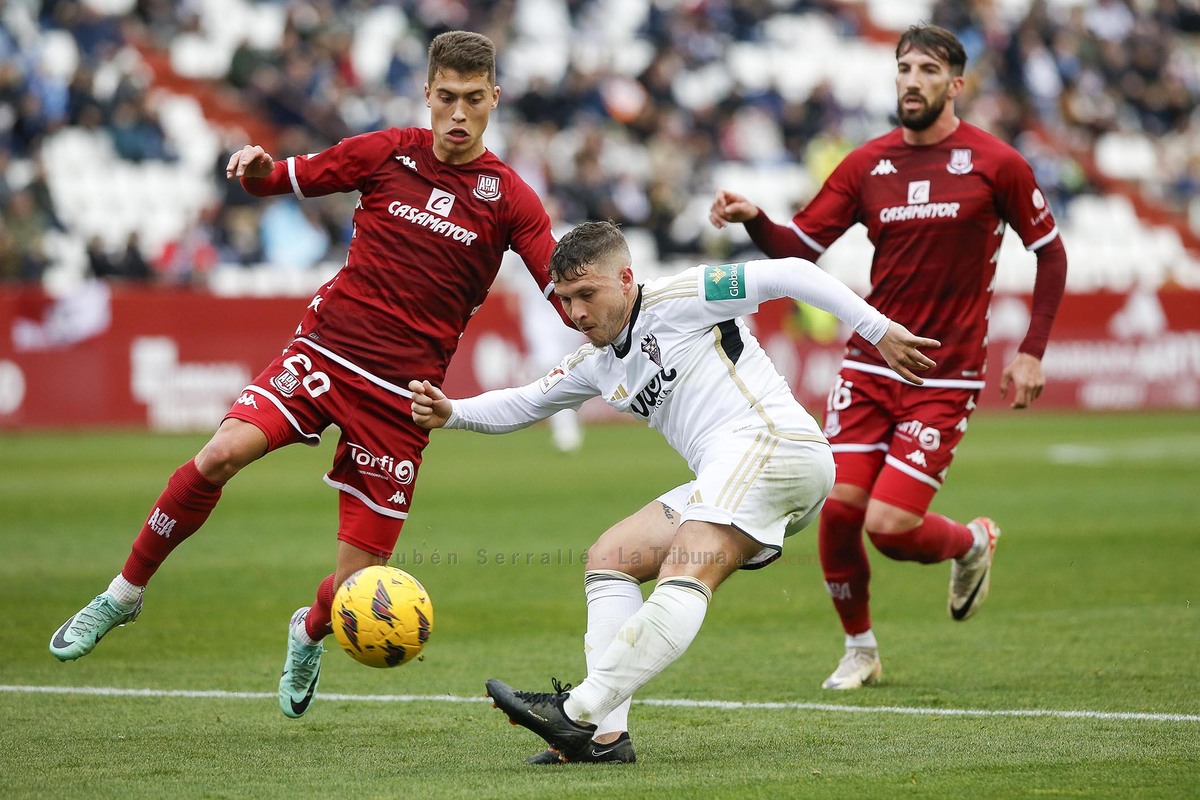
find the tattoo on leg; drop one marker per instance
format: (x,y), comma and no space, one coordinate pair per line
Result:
(669,513)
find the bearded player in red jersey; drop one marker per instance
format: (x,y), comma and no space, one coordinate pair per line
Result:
(935,196)
(436,212)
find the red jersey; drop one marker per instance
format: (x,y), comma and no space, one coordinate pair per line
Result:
(427,244)
(936,215)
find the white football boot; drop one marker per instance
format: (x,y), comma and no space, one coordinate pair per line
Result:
(971,575)
(859,667)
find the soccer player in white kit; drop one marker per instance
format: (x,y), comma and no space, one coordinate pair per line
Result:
(675,353)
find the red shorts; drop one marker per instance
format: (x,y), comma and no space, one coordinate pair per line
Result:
(893,439)
(303,392)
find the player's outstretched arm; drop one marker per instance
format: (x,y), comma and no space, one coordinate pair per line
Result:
(1024,375)
(899,348)
(729,207)
(249,162)
(430,406)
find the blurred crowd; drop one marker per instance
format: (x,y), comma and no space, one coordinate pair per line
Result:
(595,142)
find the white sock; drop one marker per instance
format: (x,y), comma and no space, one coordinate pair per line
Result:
(612,598)
(301,633)
(566,431)
(643,647)
(124,592)
(981,543)
(862,641)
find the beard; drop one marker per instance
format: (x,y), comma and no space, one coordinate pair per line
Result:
(920,119)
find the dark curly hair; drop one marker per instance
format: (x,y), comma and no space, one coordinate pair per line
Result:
(588,243)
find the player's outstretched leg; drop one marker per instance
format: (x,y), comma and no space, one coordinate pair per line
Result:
(301,670)
(618,751)
(542,713)
(971,575)
(79,634)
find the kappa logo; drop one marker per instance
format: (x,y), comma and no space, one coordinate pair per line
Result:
(440,202)
(248,399)
(398,498)
(917,457)
(885,167)
(487,188)
(408,162)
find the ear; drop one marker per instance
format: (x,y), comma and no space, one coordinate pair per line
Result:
(495,96)
(957,84)
(427,103)
(625,275)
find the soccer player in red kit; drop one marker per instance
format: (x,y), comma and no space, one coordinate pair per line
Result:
(935,196)
(435,214)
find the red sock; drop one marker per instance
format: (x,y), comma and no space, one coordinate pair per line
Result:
(844,560)
(316,624)
(179,512)
(936,539)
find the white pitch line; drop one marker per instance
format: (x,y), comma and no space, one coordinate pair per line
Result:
(102,691)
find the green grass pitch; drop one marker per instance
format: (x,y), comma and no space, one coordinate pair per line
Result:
(1093,609)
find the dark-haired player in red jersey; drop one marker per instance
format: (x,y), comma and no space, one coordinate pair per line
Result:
(435,214)
(935,196)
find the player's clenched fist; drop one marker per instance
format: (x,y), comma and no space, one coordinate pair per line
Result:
(430,408)
(251,161)
(729,207)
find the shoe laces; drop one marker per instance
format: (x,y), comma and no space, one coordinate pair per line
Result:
(94,615)
(560,690)
(306,663)
(856,657)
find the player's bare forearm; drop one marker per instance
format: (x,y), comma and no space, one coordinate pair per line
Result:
(430,406)
(901,349)
(1024,375)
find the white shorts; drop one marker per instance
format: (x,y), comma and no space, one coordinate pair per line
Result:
(766,487)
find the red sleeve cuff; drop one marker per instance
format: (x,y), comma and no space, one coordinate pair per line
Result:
(777,241)
(1048,290)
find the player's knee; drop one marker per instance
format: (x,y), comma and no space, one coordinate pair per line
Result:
(884,519)
(850,495)
(222,458)
(235,444)
(610,555)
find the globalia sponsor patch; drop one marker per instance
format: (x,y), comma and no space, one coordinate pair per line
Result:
(725,282)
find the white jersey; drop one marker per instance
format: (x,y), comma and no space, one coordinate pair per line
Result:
(686,363)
